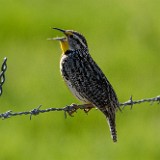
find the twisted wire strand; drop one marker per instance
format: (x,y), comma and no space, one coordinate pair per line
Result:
(2,74)
(70,109)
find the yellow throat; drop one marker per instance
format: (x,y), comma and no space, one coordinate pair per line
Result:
(64,46)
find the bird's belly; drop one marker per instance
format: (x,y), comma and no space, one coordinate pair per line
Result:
(67,76)
(75,92)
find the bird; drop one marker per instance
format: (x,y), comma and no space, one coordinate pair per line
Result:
(84,77)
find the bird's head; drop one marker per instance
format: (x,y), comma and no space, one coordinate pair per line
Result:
(72,40)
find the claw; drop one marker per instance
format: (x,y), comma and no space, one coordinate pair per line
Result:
(71,109)
(88,108)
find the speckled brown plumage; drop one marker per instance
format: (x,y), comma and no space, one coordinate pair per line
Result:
(86,80)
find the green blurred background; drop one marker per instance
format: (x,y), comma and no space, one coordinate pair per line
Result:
(124,39)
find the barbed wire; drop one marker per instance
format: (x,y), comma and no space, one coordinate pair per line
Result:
(2,74)
(70,109)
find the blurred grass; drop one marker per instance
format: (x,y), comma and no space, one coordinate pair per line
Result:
(124,39)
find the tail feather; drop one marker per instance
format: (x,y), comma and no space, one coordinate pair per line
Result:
(112,126)
(111,117)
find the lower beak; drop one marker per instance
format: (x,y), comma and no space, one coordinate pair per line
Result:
(57,39)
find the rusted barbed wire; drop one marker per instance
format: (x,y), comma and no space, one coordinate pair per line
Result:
(73,108)
(2,74)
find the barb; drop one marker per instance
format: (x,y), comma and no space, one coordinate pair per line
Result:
(130,102)
(2,74)
(73,108)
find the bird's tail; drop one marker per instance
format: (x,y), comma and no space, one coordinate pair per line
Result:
(111,117)
(112,126)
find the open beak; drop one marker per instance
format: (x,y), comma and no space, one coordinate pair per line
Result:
(62,39)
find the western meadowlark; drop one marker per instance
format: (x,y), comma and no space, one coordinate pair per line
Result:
(85,79)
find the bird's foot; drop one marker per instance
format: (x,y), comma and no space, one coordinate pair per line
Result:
(71,109)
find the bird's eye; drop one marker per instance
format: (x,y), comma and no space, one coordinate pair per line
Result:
(71,36)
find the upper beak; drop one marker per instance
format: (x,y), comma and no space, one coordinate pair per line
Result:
(61,30)
(66,32)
